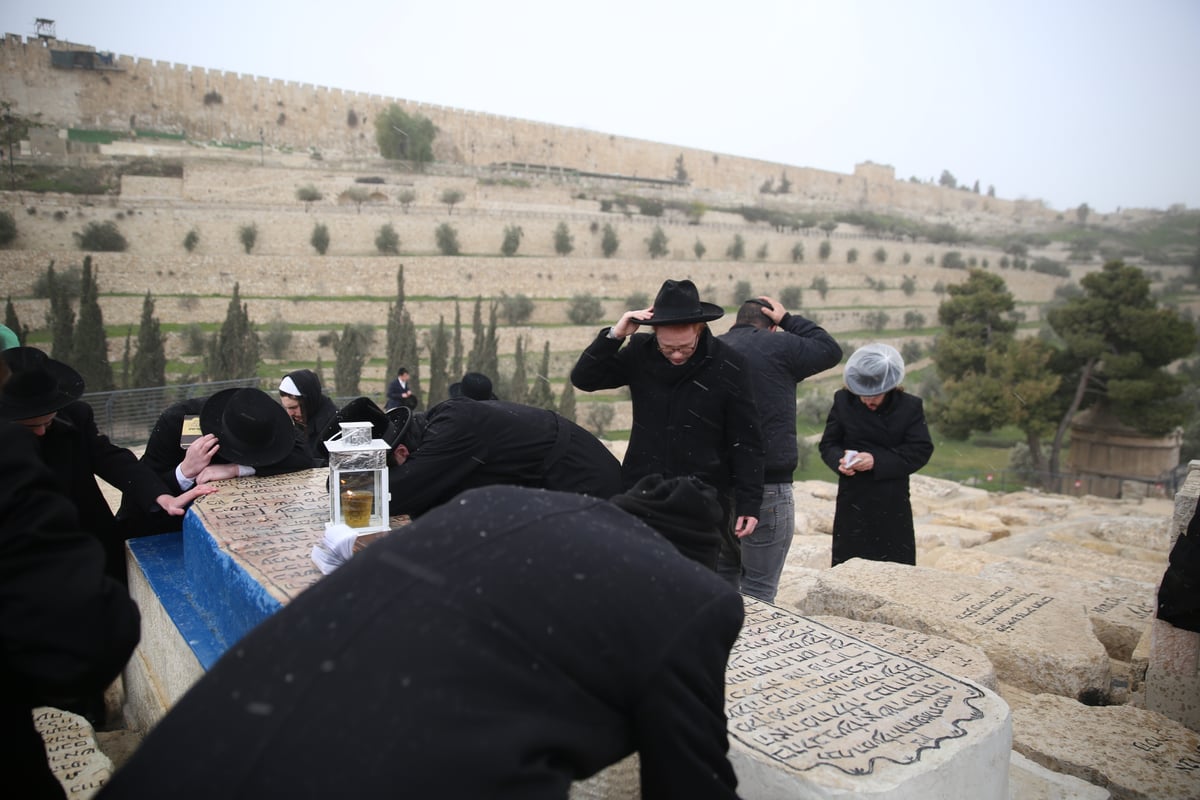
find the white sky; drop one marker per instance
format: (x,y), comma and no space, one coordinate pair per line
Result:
(1069,101)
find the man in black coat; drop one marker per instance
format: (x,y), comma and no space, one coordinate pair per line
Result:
(502,646)
(66,630)
(782,349)
(241,432)
(43,396)
(462,443)
(875,437)
(693,404)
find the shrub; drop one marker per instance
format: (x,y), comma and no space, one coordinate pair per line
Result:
(699,249)
(606,205)
(195,341)
(649,208)
(797,254)
(953,259)
(609,241)
(191,240)
(8,228)
(452,197)
(516,309)
(852,255)
(880,255)
(101,237)
(825,250)
(737,250)
(906,258)
(406,197)
(320,237)
(387,241)
(876,320)
(1048,266)
(790,296)
(637,300)
(584,309)
(512,240)
(248,234)
(277,337)
(908,285)
(820,285)
(564,242)
(657,243)
(447,239)
(911,351)
(599,417)
(742,292)
(761,254)
(308,194)
(913,320)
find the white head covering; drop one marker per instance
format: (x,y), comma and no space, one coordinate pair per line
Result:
(288,386)
(874,369)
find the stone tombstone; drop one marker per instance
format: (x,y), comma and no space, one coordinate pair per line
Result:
(72,752)
(1035,641)
(816,712)
(1173,671)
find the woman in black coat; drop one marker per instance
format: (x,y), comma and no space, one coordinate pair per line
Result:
(303,398)
(875,437)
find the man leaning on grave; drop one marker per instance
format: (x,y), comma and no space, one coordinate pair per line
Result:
(505,644)
(693,404)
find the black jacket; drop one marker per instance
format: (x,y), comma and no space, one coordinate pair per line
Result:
(469,443)
(695,419)
(163,454)
(777,363)
(66,630)
(873,518)
(318,410)
(505,644)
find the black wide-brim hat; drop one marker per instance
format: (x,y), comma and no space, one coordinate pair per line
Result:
(360,409)
(407,428)
(678,303)
(38,386)
(250,426)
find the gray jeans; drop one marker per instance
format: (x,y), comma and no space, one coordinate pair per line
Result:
(765,550)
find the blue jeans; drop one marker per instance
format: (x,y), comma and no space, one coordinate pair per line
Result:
(765,550)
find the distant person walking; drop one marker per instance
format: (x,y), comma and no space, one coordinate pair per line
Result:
(782,349)
(874,439)
(399,393)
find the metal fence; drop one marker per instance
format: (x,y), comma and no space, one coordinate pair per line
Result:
(127,416)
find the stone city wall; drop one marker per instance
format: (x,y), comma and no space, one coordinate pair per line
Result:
(143,94)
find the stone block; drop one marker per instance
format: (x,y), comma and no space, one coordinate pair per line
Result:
(1084,558)
(72,752)
(1134,753)
(1173,674)
(973,520)
(1029,780)
(1035,641)
(931,535)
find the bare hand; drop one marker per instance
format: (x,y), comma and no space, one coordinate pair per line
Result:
(745,526)
(199,455)
(862,462)
(217,472)
(177,506)
(629,321)
(777,313)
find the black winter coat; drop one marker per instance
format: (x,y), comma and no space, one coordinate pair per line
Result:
(318,410)
(469,443)
(66,630)
(505,644)
(778,361)
(695,419)
(873,519)
(163,454)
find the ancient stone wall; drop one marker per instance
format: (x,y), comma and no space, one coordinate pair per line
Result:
(204,105)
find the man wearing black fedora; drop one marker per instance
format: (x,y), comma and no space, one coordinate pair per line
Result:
(241,432)
(43,396)
(693,404)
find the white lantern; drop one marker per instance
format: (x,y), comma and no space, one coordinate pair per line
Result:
(358,480)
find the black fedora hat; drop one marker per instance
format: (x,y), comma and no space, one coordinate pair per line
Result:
(678,303)
(251,427)
(407,427)
(38,386)
(474,385)
(360,409)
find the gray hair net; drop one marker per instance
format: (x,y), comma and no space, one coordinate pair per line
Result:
(874,369)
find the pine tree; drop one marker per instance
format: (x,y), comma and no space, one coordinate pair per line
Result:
(402,345)
(518,389)
(456,356)
(60,319)
(150,360)
(13,323)
(233,352)
(89,349)
(566,402)
(542,396)
(438,341)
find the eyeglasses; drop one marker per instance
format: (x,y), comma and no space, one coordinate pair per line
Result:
(684,350)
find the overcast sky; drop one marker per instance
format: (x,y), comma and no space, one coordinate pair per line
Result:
(1069,101)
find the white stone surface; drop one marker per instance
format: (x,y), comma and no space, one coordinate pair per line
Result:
(1029,780)
(72,752)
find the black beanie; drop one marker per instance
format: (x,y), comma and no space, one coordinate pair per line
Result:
(685,510)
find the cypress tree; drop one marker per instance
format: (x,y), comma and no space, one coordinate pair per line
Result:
(60,319)
(542,395)
(439,343)
(456,357)
(350,350)
(402,345)
(89,350)
(233,352)
(566,402)
(14,323)
(518,389)
(476,357)
(150,360)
